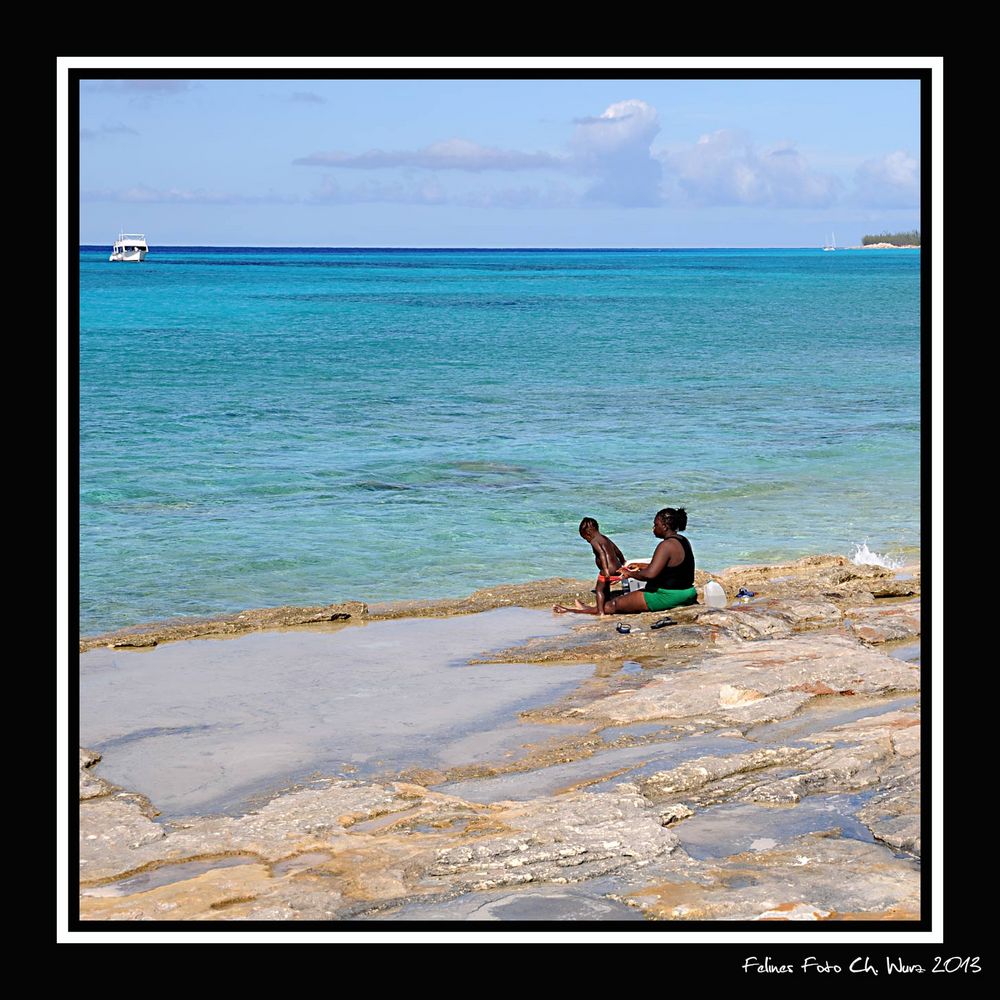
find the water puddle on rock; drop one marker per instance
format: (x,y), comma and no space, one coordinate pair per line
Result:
(165,875)
(585,901)
(612,733)
(301,862)
(203,726)
(908,651)
(734,828)
(823,714)
(599,772)
(505,740)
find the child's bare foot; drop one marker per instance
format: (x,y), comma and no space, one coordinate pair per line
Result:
(579,604)
(559,609)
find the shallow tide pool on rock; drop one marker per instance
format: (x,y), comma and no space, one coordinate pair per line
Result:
(823,714)
(597,772)
(908,651)
(586,901)
(164,875)
(208,724)
(733,828)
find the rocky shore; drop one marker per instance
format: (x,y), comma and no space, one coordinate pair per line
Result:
(738,765)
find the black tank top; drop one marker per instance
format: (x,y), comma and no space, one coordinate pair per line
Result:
(679,577)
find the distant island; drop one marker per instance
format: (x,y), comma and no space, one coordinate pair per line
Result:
(883,240)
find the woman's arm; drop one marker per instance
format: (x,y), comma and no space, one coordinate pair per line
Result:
(659,562)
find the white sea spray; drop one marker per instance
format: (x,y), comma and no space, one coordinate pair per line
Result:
(863,556)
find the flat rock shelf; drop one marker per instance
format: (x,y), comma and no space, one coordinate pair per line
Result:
(485,760)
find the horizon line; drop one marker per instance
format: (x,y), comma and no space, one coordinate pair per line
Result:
(311,246)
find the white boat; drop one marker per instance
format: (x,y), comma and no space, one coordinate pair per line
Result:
(833,242)
(129,246)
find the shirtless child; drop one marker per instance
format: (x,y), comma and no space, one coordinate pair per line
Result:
(609,561)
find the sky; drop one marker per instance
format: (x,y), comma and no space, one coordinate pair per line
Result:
(498,162)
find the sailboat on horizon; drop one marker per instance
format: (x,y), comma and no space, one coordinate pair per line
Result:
(833,242)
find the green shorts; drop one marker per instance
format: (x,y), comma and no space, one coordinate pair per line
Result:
(661,600)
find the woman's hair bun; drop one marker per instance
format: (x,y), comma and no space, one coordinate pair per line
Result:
(674,517)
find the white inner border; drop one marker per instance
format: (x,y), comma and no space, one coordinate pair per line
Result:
(64,64)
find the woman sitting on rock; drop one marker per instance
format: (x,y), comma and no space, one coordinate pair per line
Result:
(669,575)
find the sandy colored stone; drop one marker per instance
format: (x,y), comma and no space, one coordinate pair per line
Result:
(884,622)
(308,819)
(830,577)
(343,850)
(885,756)
(802,881)
(244,621)
(694,775)
(532,594)
(811,575)
(745,623)
(782,672)
(893,817)
(369,848)
(812,612)
(90,785)
(596,640)
(213,895)
(386,859)
(565,838)
(880,752)
(113,828)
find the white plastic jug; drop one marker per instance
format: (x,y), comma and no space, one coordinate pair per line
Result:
(715,596)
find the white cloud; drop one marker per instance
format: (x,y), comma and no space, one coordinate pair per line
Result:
(628,125)
(724,168)
(428,192)
(432,192)
(891,181)
(146,88)
(615,147)
(105,132)
(613,152)
(450,154)
(608,160)
(181,196)
(612,149)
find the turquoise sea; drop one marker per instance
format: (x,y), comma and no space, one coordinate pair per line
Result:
(284,426)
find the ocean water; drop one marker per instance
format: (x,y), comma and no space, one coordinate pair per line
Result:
(279,426)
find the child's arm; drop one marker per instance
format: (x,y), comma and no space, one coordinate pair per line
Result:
(618,555)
